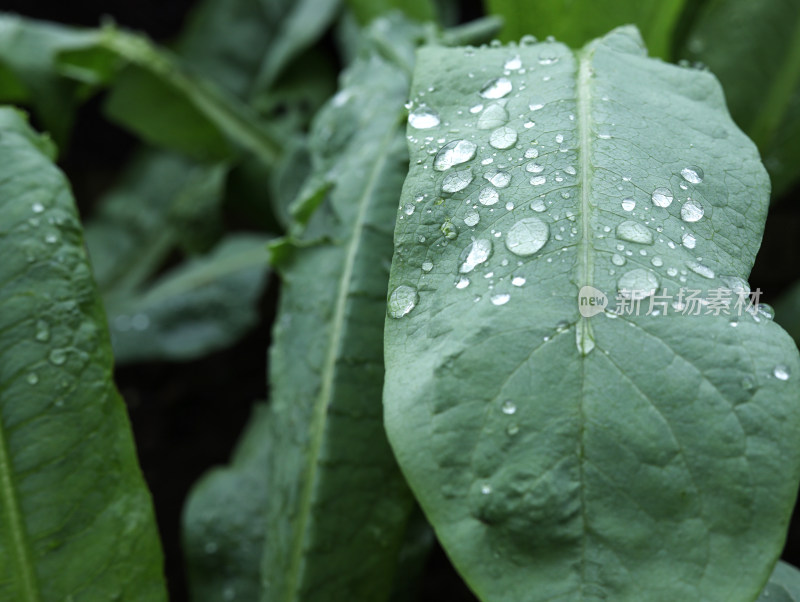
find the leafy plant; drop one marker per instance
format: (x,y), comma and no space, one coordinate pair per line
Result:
(470,232)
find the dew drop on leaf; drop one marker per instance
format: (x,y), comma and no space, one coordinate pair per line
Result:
(637,284)
(691,211)
(628,204)
(518,281)
(476,253)
(700,269)
(503,138)
(496,88)
(538,205)
(456,181)
(635,232)
(500,299)
(781,372)
(494,116)
(662,197)
(688,240)
(500,179)
(693,175)
(513,63)
(454,153)
(509,407)
(423,118)
(472,218)
(534,167)
(462,282)
(427,266)
(402,300)
(488,196)
(527,236)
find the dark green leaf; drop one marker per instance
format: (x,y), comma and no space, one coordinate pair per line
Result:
(560,456)
(366,10)
(76,520)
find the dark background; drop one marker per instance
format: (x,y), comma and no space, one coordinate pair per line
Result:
(187,417)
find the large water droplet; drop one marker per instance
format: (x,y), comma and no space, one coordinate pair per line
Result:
(423,118)
(498,178)
(662,197)
(462,283)
(496,88)
(691,211)
(781,372)
(637,284)
(628,204)
(402,300)
(457,180)
(688,240)
(476,253)
(503,138)
(527,236)
(538,205)
(693,175)
(488,196)
(454,153)
(635,232)
(494,116)
(500,299)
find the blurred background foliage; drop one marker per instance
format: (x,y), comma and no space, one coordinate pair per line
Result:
(186,145)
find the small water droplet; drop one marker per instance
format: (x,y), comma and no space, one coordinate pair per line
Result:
(538,180)
(618,259)
(700,269)
(496,88)
(657,261)
(500,179)
(408,208)
(569,169)
(58,356)
(662,197)
(781,372)
(457,180)
(423,118)
(534,167)
(486,489)
(513,63)
(42,331)
(691,211)
(509,206)
(493,117)
(535,106)
(402,300)
(635,232)
(518,281)
(628,204)
(476,109)
(688,240)
(476,253)
(766,311)
(51,238)
(454,153)
(637,284)
(693,175)
(449,230)
(427,266)
(37,207)
(509,407)
(527,236)
(538,205)
(559,138)
(503,138)
(500,299)
(462,282)
(512,429)
(488,196)
(531,153)
(32,378)
(472,218)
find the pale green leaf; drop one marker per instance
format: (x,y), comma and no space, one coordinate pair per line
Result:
(76,520)
(571,458)
(783,585)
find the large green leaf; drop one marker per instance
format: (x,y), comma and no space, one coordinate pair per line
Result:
(76,521)
(783,586)
(575,22)
(338,504)
(754,49)
(560,457)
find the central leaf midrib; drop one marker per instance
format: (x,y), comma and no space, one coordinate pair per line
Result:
(329,367)
(19,536)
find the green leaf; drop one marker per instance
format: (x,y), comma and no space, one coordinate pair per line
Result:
(331,473)
(221,534)
(366,10)
(76,520)
(575,22)
(783,586)
(754,50)
(560,457)
(203,305)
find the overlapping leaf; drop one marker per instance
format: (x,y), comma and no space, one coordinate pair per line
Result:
(642,454)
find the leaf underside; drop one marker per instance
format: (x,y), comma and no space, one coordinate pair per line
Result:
(570,458)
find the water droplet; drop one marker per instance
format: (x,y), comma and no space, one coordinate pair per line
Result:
(693,175)
(535,106)
(423,118)
(496,88)
(559,138)
(738,286)
(569,169)
(408,208)
(538,180)
(657,261)
(637,284)
(628,204)
(457,180)
(509,206)
(140,322)
(662,197)
(512,429)
(518,281)
(503,138)
(635,232)
(427,266)
(618,259)
(51,238)
(766,311)
(37,207)
(500,179)
(531,153)
(449,230)
(672,271)
(486,489)
(781,372)
(691,211)
(527,236)
(488,196)
(513,63)
(688,240)
(454,153)
(472,218)
(42,331)
(476,109)
(58,356)
(538,205)
(509,407)
(462,283)
(32,378)
(476,253)
(402,300)
(547,57)
(534,167)
(494,116)
(699,268)
(500,299)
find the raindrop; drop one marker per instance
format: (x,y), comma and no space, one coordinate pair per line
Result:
(476,109)
(476,253)
(472,218)
(509,206)
(534,167)
(781,372)
(559,138)
(488,196)
(547,58)
(454,153)
(657,262)
(423,118)
(494,116)
(500,179)
(513,63)
(688,240)
(500,299)
(496,88)
(693,175)
(527,236)
(570,170)
(618,259)
(408,208)
(531,153)
(37,207)
(538,180)
(42,331)
(457,180)
(538,205)
(32,378)
(635,232)
(427,266)
(691,211)
(628,204)
(512,429)
(58,356)
(51,238)
(402,300)
(462,283)
(486,489)
(449,230)
(518,281)
(535,106)
(503,138)
(637,284)
(699,268)
(662,197)
(509,407)
(766,311)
